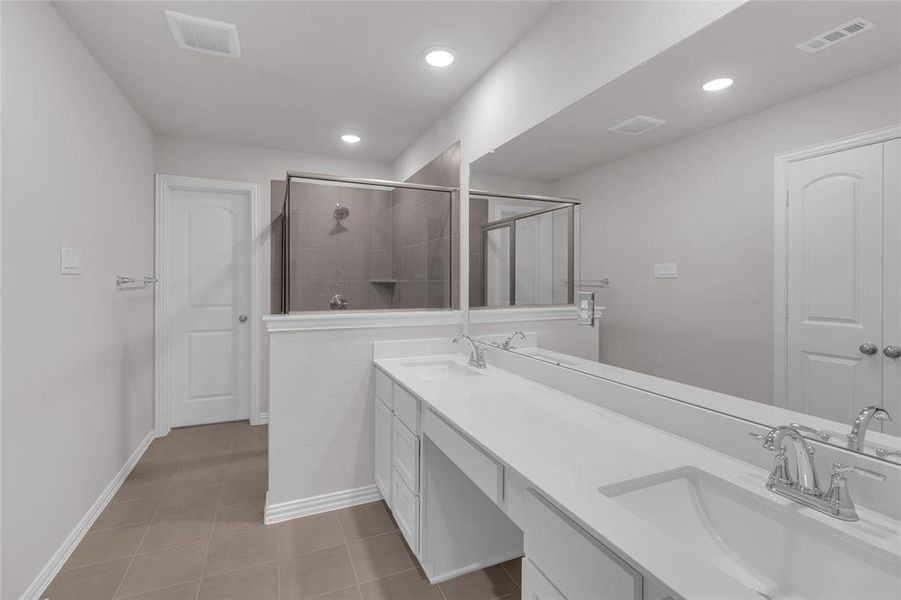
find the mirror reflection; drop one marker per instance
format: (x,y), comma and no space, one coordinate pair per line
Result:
(521,250)
(740,218)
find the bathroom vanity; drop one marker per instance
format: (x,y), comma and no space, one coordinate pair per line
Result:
(482,465)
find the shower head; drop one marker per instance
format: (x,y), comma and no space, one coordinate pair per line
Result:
(341,212)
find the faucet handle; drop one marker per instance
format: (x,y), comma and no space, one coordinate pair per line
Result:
(766,439)
(883,452)
(840,470)
(804,429)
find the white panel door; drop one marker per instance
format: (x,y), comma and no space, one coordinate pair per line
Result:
(210,283)
(891,378)
(835,273)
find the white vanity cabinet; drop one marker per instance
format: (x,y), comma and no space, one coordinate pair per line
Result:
(442,490)
(573,561)
(460,509)
(397,454)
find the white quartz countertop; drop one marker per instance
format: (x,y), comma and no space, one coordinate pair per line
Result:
(567,448)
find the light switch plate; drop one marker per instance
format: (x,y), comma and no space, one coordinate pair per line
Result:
(70,261)
(666,270)
(585,308)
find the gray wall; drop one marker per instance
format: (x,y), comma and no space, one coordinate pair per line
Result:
(77,353)
(420,249)
(444,170)
(478,218)
(392,251)
(706,202)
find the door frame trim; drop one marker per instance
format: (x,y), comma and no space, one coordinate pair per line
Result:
(781,163)
(163,302)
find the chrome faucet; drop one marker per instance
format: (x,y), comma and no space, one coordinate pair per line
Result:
(508,343)
(862,424)
(803,487)
(476,354)
(806,478)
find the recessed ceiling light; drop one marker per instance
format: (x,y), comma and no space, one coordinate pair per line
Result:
(439,57)
(715,85)
(350,138)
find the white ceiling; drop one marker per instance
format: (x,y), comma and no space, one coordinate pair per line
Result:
(755,44)
(310,71)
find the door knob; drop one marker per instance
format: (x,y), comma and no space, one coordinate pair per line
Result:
(242,319)
(869,349)
(892,351)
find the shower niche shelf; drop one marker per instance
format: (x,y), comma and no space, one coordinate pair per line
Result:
(383,281)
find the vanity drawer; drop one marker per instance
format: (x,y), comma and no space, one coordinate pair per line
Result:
(406,455)
(383,388)
(406,512)
(406,407)
(475,464)
(576,563)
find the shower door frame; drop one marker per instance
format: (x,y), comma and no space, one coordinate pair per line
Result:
(286,222)
(510,224)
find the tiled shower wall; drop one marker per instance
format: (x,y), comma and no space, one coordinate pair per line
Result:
(392,251)
(420,249)
(478,218)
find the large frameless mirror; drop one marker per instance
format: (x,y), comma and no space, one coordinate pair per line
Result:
(740,217)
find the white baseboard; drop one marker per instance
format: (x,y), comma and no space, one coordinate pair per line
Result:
(304,507)
(62,553)
(261,419)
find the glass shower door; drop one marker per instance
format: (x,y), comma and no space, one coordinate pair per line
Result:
(498,265)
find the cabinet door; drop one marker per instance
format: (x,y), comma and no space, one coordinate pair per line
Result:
(536,586)
(406,512)
(383,419)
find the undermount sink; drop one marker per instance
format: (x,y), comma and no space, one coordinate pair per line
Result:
(440,369)
(771,548)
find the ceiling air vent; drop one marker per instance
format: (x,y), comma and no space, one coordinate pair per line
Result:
(637,125)
(836,35)
(204,35)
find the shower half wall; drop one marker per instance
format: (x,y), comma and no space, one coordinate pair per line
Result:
(379,246)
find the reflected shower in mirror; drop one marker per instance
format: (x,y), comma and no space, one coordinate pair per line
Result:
(522,250)
(750,232)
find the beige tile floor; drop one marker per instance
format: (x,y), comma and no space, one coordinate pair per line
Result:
(188,525)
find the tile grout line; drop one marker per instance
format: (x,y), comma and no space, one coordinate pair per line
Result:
(278,571)
(350,558)
(143,537)
(332,592)
(209,543)
(180,449)
(508,574)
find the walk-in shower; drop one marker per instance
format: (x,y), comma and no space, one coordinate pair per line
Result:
(523,249)
(359,244)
